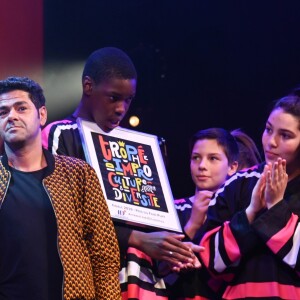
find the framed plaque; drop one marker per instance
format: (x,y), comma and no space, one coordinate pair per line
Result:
(132,174)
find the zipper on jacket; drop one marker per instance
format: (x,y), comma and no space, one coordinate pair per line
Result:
(8,182)
(58,251)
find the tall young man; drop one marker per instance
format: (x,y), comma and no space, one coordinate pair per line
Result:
(109,82)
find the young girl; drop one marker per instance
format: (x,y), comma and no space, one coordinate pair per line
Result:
(252,226)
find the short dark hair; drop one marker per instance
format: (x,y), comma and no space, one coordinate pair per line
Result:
(222,137)
(24,84)
(107,63)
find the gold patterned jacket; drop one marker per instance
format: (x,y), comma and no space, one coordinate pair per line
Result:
(87,242)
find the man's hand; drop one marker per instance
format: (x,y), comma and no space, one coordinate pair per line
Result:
(165,267)
(164,246)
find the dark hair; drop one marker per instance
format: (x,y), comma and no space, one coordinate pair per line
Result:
(290,104)
(24,84)
(107,63)
(223,138)
(248,152)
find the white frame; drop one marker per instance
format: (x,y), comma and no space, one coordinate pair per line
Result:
(162,214)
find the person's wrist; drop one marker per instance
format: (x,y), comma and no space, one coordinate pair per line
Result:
(251,213)
(190,228)
(271,204)
(136,239)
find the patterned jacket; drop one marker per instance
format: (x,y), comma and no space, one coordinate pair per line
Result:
(63,138)
(87,242)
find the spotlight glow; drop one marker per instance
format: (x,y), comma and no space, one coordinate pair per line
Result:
(134,121)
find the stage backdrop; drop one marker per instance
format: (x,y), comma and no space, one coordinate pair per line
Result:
(21,36)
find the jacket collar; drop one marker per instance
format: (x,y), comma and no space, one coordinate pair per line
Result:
(48,156)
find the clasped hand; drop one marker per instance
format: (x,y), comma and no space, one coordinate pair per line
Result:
(269,189)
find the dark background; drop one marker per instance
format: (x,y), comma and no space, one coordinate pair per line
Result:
(200,63)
